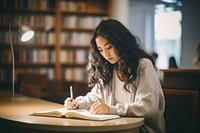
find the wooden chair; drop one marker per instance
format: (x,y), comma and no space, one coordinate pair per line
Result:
(180,110)
(30,89)
(32,84)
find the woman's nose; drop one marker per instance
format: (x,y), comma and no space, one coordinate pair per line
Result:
(106,53)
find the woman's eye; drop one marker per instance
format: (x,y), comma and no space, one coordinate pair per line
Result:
(109,47)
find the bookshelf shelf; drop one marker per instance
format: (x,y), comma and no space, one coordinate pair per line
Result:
(78,29)
(28,11)
(28,65)
(28,46)
(69,46)
(74,65)
(88,12)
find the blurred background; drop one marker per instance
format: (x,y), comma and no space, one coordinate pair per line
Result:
(58,52)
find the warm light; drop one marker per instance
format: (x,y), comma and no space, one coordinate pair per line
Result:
(26,33)
(27,36)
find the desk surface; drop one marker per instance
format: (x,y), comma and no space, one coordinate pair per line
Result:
(15,111)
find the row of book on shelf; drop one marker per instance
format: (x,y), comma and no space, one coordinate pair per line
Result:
(39,38)
(81,21)
(69,74)
(75,74)
(74,56)
(44,56)
(5,74)
(48,38)
(47,22)
(79,5)
(28,4)
(28,56)
(66,5)
(73,5)
(75,38)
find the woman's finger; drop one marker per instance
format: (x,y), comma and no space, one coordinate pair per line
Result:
(95,108)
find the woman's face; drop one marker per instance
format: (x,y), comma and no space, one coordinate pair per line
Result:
(107,50)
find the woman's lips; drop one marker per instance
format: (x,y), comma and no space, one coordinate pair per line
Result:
(110,58)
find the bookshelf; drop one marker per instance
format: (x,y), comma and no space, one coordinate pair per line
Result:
(79,19)
(63,30)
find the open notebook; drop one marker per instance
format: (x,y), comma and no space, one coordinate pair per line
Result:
(78,114)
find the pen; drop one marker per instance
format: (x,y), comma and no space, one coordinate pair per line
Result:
(71,92)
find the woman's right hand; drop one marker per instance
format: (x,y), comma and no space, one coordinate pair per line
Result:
(70,104)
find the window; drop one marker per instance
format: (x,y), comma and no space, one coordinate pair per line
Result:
(167,37)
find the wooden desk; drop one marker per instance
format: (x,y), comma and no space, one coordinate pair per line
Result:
(14,117)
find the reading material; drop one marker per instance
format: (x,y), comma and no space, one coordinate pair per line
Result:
(79,114)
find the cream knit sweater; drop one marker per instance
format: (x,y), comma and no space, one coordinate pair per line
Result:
(147,101)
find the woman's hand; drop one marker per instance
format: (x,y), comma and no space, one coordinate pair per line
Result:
(99,108)
(70,104)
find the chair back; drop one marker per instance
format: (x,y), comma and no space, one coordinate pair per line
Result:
(180,110)
(32,84)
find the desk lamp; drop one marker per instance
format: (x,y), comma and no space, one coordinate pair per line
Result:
(25,34)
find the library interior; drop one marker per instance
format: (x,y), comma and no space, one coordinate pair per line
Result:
(56,57)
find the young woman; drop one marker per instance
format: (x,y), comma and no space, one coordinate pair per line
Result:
(122,78)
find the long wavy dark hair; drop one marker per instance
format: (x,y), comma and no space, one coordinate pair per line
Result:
(127,47)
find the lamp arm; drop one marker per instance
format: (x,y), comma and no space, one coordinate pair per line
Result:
(12,50)
(13,59)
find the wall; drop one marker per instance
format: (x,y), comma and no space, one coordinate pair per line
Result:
(141,21)
(191,31)
(120,11)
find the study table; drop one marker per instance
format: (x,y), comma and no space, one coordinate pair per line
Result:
(14,117)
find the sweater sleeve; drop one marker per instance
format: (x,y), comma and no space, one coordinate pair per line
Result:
(85,102)
(147,96)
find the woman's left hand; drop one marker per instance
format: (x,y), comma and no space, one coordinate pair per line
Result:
(99,108)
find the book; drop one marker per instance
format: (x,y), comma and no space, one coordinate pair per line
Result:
(74,114)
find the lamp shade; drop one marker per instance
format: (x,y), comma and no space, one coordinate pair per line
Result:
(25,33)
